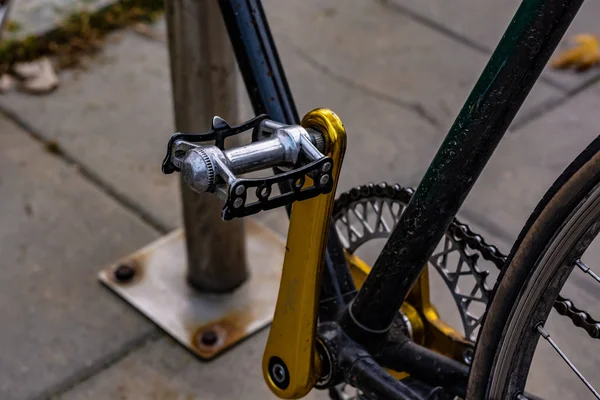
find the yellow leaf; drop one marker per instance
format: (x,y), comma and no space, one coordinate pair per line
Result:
(584,55)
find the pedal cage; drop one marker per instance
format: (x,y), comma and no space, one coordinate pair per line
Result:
(319,172)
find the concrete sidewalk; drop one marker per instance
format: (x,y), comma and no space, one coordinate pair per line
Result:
(396,72)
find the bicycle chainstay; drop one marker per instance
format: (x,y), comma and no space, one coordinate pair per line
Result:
(463,233)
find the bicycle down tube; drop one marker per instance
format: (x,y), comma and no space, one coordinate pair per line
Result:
(515,65)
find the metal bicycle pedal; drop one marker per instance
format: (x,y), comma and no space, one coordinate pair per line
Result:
(212,168)
(310,156)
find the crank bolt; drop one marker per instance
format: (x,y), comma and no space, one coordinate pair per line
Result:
(324,179)
(209,338)
(279,373)
(240,190)
(326,167)
(124,273)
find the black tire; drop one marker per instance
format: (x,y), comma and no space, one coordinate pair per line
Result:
(520,276)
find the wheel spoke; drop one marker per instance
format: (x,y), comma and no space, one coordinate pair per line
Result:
(544,333)
(528,396)
(587,270)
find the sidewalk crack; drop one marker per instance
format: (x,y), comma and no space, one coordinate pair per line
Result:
(99,366)
(88,174)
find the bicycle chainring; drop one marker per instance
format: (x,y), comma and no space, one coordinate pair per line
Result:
(370,212)
(352,206)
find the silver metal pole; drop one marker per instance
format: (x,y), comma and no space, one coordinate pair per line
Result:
(204,85)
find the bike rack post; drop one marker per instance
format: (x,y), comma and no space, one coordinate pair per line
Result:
(216,284)
(203,81)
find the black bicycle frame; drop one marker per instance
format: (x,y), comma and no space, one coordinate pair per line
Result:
(513,69)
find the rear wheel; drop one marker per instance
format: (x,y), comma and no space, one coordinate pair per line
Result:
(555,241)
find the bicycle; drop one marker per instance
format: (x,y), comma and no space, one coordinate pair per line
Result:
(337,320)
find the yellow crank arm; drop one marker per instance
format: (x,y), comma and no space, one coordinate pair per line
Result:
(290,364)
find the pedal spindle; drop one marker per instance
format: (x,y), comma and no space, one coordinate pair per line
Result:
(214,169)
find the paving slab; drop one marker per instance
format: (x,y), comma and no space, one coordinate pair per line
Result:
(527,162)
(595,89)
(57,230)
(114,119)
(163,370)
(384,55)
(36,17)
(483,22)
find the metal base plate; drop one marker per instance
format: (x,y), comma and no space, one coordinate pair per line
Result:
(160,291)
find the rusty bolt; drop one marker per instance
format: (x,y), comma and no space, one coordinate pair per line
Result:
(209,337)
(124,272)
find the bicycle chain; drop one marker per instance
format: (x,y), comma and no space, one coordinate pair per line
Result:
(463,233)
(579,317)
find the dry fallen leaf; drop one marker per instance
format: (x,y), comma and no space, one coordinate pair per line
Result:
(584,55)
(44,81)
(27,70)
(7,82)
